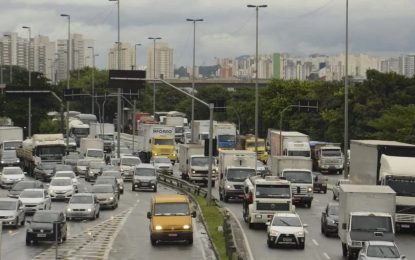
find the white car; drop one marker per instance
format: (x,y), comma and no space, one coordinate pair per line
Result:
(35,199)
(162,164)
(11,175)
(69,174)
(127,164)
(286,229)
(385,250)
(61,188)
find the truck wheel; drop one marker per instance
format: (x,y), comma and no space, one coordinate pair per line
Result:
(225,198)
(334,196)
(213,183)
(325,191)
(269,243)
(251,225)
(301,246)
(344,249)
(220,196)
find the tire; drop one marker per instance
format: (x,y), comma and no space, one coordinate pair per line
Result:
(325,191)
(132,188)
(64,238)
(220,195)
(213,183)
(269,243)
(98,215)
(155,189)
(344,249)
(94,216)
(28,242)
(153,242)
(334,196)
(23,221)
(251,225)
(225,198)
(16,226)
(322,229)
(190,241)
(301,246)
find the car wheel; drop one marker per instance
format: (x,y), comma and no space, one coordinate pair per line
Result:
(325,191)
(153,241)
(344,249)
(16,226)
(269,243)
(28,241)
(220,196)
(94,216)
(302,246)
(250,225)
(190,241)
(23,221)
(334,196)
(225,198)
(64,238)
(155,189)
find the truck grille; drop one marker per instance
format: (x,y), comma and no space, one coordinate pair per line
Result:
(298,190)
(165,151)
(201,172)
(273,206)
(332,162)
(405,218)
(405,209)
(238,187)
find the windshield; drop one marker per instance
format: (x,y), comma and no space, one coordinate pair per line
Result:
(61,182)
(371,223)
(382,251)
(178,209)
(11,145)
(226,138)
(21,185)
(162,160)
(331,153)
(299,153)
(130,161)
(298,176)
(102,189)
(179,130)
(402,187)
(144,172)
(95,153)
(334,210)
(50,152)
(80,131)
(163,142)
(115,174)
(273,191)
(81,200)
(9,155)
(45,217)
(65,174)
(96,165)
(286,221)
(83,163)
(31,194)
(12,171)
(8,205)
(252,144)
(107,137)
(239,175)
(200,161)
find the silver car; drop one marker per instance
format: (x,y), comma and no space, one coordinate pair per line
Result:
(83,206)
(35,199)
(81,167)
(10,176)
(11,212)
(145,177)
(162,164)
(384,250)
(118,177)
(106,195)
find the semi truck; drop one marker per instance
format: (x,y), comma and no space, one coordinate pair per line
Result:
(378,162)
(234,167)
(41,148)
(366,213)
(247,142)
(288,143)
(327,157)
(297,170)
(194,165)
(156,140)
(78,130)
(263,197)
(225,135)
(92,148)
(11,137)
(106,131)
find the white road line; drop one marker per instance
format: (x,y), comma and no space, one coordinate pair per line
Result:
(315,242)
(13,233)
(326,255)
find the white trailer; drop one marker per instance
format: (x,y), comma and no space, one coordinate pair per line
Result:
(288,143)
(92,148)
(366,213)
(200,130)
(225,135)
(106,131)
(11,137)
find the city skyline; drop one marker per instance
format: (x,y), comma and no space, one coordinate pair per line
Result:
(297,27)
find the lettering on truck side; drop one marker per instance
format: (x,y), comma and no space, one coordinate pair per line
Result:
(162,131)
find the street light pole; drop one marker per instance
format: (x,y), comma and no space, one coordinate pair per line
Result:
(29,131)
(93,80)
(256,76)
(135,55)
(346,97)
(68,75)
(193,71)
(154,73)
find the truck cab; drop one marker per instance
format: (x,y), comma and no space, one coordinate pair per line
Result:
(232,182)
(301,185)
(329,158)
(164,145)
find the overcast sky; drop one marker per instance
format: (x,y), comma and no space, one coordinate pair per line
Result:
(303,27)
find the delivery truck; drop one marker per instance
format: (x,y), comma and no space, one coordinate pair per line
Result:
(288,143)
(11,137)
(92,148)
(156,140)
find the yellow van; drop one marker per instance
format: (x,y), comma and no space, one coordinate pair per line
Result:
(170,219)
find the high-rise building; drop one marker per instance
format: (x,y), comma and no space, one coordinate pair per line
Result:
(126,57)
(163,62)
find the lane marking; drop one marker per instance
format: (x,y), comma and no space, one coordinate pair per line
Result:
(13,233)
(326,255)
(314,241)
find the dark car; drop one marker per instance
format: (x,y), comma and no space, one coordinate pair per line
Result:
(109,180)
(320,182)
(93,170)
(106,194)
(330,219)
(41,227)
(15,191)
(62,167)
(9,158)
(44,171)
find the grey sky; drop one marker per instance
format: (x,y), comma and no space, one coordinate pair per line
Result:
(381,27)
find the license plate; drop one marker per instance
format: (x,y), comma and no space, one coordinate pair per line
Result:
(144,184)
(41,235)
(173,235)
(405,226)
(287,239)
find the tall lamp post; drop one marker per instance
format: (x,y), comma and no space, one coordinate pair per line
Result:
(93,80)
(119,89)
(29,131)
(154,73)
(135,55)
(68,75)
(346,97)
(193,70)
(256,76)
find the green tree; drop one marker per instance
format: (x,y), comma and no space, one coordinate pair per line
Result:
(48,126)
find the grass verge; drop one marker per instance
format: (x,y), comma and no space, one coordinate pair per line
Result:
(214,218)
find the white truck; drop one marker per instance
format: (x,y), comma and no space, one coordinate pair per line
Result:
(78,130)
(11,137)
(378,162)
(156,140)
(234,167)
(263,197)
(106,131)
(366,213)
(178,123)
(225,135)
(297,170)
(327,158)
(92,148)
(41,148)
(288,143)
(200,130)
(194,165)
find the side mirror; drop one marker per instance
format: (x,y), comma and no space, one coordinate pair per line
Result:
(149,215)
(344,226)
(403,257)
(28,221)
(305,225)
(20,208)
(193,214)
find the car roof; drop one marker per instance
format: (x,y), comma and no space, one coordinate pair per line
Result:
(34,189)
(170,198)
(286,214)
(380,243)
(145,165)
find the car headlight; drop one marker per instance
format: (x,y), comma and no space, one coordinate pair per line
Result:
(159,227)
(332,221)
(229,186)
(356,244)
(2,161)
(193,171)
(186,227)
(310,189)
(300,233)
(111,198)
(89,210)
(274,233)
(68,209)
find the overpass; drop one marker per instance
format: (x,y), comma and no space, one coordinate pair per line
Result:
(227,83)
